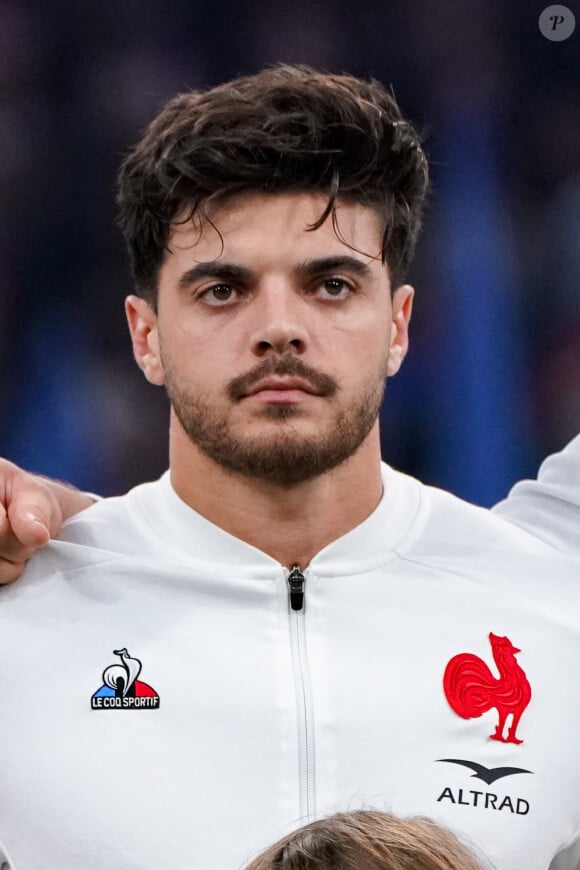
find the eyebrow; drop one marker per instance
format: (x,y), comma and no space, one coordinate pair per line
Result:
(218,269)
(223,271)
(339,263)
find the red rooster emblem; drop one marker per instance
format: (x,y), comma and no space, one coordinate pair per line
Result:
(471,689)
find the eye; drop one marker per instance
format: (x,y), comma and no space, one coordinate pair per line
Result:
(335,288)
(218,294)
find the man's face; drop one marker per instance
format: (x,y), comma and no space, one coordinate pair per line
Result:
(274,344)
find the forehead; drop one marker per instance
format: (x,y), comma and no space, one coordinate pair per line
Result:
(271,231)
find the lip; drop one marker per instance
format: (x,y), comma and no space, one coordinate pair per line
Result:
(280,397)
(281,385)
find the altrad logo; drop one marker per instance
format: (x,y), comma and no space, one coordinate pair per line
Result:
(486,774)
(121,690)
(485,799)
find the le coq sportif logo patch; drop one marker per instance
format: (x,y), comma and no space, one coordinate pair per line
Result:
(121,690)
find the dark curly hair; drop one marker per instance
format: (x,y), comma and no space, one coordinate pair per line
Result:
(288,128)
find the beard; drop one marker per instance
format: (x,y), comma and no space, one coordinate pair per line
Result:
(284,457)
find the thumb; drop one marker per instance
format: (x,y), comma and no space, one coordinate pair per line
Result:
(31,516)
(29,527)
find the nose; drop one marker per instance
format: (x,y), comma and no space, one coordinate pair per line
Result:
(280,323)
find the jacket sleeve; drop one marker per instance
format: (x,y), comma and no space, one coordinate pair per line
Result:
(549,507)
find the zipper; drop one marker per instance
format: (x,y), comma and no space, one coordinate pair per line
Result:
(296,586)
(296,581)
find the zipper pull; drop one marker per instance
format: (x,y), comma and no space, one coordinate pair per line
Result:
(296,581)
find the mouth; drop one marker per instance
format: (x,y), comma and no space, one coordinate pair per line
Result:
(277,390)
(289,397)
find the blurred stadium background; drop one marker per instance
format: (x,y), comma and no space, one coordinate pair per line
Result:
(492,382)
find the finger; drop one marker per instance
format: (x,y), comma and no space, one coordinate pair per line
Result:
(10,571)
(12,549)
(28,527)
(30,512)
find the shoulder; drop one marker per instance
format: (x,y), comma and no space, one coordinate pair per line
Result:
(122,524)
(113,530)
(447,523)
(456,537)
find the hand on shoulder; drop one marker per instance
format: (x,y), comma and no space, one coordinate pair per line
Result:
(32,510)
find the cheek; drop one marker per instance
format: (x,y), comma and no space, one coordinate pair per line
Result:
(364,365)
(359,328)
(372,345)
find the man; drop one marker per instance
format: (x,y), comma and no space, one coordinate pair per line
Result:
(282,626)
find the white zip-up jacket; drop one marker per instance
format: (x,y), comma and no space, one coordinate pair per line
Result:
(163,705)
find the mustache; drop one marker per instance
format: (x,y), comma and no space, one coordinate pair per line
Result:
(291,366)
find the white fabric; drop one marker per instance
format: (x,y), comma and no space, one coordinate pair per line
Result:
(268,717)
(549,507)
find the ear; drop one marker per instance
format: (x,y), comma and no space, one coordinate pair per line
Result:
(143,327)
(401,315)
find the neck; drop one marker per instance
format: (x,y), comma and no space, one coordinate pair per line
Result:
(290,524)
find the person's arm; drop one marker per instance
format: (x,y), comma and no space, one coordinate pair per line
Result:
(549,507)
(32,510)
